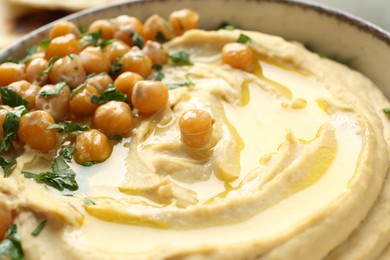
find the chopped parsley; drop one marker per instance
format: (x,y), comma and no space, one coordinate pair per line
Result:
(11,98)
(116,67)
(89,164)
(44,44)
(108,95)
(180,58)
(226,26)
(160,75)
(7,166)
(11,247)
(50,64)
(186,83)
(244,39)
(67,153)
(53,91)
(68,127)
(77,90)
(39,228)
(137,40)
(160,37)
(91,39)
(10,126)
(61,177)
(115,137)
(89,202)
(386,111)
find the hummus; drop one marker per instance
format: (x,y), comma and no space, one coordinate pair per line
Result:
(296,168)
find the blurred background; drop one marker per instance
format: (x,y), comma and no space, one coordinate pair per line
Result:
(18,17)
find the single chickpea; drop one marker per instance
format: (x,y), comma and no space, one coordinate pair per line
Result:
(92,146)
(100,81)
(94,60)
(137,62)
(158,29)
(149,96)
(125,83)
(6,219)
(56,105)
(156,53)
(183,20)
(63,28)
(27,90)
(3,112)
(115,50)
(196,127)
(62,46)
(81,105)
(114,118)
(125,26)
(34,71)
(10,72)
(68,69)
(239,56)
(34,133)
(105,27)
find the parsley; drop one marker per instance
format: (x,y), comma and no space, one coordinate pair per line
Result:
(137,40)
(115,137)
(386,111)
(11,98)
(89,202)
(108,95)
(160,75)
(81,28)
(186,83)
(11,247)
(160,37)
(244,39)
(77,90)
(116,67)
(50,64)
(53,91)
(68,127)
(29,51)
(67,153)
(180,58)
(61,177)
(104,42)
(226,26)
(10,126)
(7,166)
(89,164)
(91,38)
(39,228)
(44,44)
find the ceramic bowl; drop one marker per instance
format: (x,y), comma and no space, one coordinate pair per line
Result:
(326,30)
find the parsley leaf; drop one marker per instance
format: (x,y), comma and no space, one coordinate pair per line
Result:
(89,202)
(50,65)
(67,153)
(108,95)
(115,137)
(11,98)
(116,67)
(160,75)
(11,246)
(39,228)
(244,39)
(29,51)
(10,126)
(53,91)
(226,26)
(186,83)
(386,111)
(62,176)
(137,40)
(77,90)
(160,37)
(68,127)
(7,166)
(89,164)
(180,58)
(91,38)
(44,44)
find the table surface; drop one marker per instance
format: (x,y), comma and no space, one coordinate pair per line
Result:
(374,11)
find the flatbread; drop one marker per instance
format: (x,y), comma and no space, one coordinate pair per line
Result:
(69,5)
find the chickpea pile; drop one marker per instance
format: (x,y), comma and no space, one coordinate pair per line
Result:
(65,78)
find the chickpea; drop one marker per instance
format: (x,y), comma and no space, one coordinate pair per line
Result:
(105,27)
(10,72)
(183,20)
(196,127)
(149,96)
(100,81)
(113,118)
(155,52)
(81,105)
(62,46)
(115,50)
(63,28)
(34,133)
(3,112)
(125,26)
(94,60)
(238,55)
(27,90)
(68,69)
(92,146)
(34,71)
(6,219)
(125,83)
(137,62)
(157,28)
(56,105)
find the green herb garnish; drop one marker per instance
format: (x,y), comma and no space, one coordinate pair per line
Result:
(53,91)
(116,67)
(50,64)
(108,95)
(11,98)
(30,51)
(44,44)
(186,83)
(137,40)
(160,37)
(115,137)
(67,153)
(226,26)
(10,126)
(180,58)
(89,202)
(7,166)
(11,247)
(77,90)
(68,127)
(39,228)
(244,39)
(386,111)
(91,38)
(89,164)
(160,75)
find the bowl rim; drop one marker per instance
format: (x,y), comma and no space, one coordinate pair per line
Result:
(323,9)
